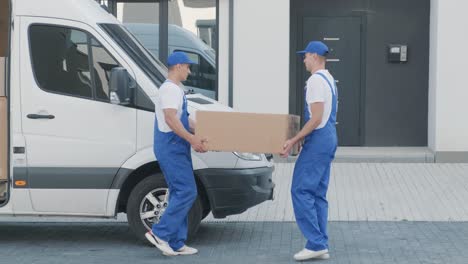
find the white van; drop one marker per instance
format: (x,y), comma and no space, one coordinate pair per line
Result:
(203,74)
(77,117)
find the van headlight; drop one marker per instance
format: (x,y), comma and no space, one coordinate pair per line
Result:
(248,156)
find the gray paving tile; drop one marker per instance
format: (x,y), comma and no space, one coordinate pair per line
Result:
(377,192)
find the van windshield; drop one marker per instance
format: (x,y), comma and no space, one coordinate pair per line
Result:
(141,56)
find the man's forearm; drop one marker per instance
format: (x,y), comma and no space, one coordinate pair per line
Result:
(310,126)
(317,112)
(178,128)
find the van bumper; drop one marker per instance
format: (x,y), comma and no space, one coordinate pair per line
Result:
(233,191)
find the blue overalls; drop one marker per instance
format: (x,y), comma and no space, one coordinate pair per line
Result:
(311,177)
(175,160)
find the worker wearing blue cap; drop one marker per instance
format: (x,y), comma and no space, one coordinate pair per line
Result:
(172,141)
(312,170)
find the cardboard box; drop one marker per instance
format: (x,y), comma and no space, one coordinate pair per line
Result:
(246,132)
(3,138)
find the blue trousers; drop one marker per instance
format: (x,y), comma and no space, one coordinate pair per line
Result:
(176,165)
(309,189)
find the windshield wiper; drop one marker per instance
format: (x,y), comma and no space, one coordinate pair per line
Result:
(190,91)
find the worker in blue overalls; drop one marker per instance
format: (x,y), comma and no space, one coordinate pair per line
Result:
(312,170)
(172,141)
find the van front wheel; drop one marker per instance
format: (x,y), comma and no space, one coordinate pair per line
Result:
(147,203)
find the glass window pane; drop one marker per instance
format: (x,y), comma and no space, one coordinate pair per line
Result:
(203,74)
(103,63)
(192,29)
(61,60)
(147,63)
(150,66)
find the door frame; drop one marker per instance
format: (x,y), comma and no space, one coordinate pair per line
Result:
(296,27)
(97,196)
(7,95)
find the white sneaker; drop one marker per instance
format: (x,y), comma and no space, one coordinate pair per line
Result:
(306,254)
(160,244)
(186,250)
(324,256)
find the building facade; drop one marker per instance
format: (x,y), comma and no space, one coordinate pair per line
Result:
(399,65)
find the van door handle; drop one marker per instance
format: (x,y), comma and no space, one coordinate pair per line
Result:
(36,116)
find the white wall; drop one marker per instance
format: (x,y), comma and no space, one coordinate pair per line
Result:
(261,56)
(190,16)
(448,86)
(223,52)
(432,74)
(120,10)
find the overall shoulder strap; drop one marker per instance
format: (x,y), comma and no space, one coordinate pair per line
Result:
(328,81)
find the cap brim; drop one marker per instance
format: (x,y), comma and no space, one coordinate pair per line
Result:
(301,52)
(189,62)
(184,62)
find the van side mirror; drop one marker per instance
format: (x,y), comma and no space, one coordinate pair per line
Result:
(121,86)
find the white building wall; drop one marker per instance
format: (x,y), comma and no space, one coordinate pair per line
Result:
(448,87)
(261,56)
(223,52)
(434,27)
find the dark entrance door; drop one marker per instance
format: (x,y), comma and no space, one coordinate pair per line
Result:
(343,37)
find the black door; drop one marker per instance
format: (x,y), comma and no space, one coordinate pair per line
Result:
(343,37)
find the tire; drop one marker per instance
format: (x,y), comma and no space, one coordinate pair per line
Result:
(206,209)
(137,202)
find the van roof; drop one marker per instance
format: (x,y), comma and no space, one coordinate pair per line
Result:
(86,11)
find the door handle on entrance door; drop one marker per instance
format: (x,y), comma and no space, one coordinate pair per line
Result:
(36,116)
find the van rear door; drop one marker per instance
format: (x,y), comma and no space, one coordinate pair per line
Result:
(4,126)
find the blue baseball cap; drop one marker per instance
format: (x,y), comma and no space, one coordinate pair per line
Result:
(178,57)
(315,47)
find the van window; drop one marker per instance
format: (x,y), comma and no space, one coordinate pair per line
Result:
(203,74)
(60,60)
(140,55)
(103,63)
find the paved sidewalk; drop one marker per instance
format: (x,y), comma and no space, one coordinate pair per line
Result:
(236,242)
(377,192)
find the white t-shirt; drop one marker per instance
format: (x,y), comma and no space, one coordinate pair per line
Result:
(170,96)
(318,90)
